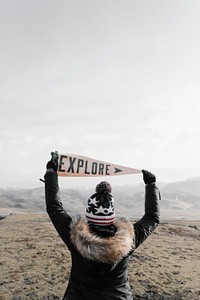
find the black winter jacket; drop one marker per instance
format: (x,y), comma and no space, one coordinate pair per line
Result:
(99,265)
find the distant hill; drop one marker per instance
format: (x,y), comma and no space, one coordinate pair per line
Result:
(129,199)
(182,195)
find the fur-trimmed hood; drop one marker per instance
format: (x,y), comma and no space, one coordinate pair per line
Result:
(106,250)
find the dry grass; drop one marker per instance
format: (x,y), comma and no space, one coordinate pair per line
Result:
(35,264)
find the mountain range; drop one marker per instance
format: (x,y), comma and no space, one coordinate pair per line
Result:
(180,198)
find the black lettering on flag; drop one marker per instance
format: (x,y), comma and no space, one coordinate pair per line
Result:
(61,163)
(86,165)
(94,168)
(71,164)
(107,170)
(101,167)
(80,164)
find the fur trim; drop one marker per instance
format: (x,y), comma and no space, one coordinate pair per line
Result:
(105,250)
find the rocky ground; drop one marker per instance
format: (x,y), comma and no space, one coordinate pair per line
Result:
(35,264)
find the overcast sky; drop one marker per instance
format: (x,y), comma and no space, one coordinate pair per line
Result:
(114,80)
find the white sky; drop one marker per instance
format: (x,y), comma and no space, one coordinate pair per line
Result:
(117,80)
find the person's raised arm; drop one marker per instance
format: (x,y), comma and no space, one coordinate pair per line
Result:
(59,217)
(150,220)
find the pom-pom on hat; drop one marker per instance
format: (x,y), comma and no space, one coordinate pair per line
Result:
(104,187)
(100,206)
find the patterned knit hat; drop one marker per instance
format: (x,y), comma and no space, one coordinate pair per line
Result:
(100,206)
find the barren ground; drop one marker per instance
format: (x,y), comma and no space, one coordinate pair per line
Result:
(35,264)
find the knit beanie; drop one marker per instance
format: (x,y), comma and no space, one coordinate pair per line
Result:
(100,206)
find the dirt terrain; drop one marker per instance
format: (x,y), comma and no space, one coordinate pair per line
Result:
(35,264)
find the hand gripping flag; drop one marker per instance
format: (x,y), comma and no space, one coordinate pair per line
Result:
(74,165)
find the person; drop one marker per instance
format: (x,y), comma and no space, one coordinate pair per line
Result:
(100,244)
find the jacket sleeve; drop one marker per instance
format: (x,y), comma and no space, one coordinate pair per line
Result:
(146,225)
(59,217)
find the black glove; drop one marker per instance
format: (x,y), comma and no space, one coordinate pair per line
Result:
(148,177)
(52,164)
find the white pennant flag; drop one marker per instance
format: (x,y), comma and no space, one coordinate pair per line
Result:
(74,165)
